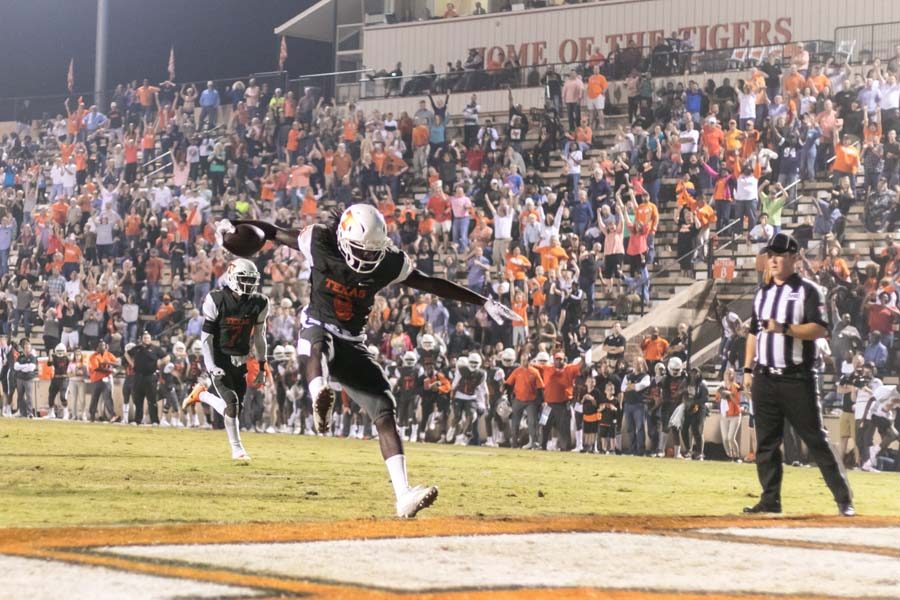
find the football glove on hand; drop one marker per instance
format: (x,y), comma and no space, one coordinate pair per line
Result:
(223,228)
(499,312)
(217,372)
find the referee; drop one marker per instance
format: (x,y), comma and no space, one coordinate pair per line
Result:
(146,359)
(788,317)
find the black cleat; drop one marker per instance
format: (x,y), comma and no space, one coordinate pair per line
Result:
(846,509)
(763,509)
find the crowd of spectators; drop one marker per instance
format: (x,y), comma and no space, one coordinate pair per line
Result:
(110,216)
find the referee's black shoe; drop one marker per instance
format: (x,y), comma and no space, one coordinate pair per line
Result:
(763,509)
(846,509)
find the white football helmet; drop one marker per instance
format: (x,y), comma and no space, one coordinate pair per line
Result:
(197,348)
(362,237)
(60,350)
(242,277)
(278,354)
(474,361)
(128,347)
(675,366)
(660,369)
(409,358)
(179,349)
(542,358)
(428,342)
(508,357)
(373,350)
(290,353)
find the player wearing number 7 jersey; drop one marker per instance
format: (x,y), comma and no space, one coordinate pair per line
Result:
(351,260)
(234,324)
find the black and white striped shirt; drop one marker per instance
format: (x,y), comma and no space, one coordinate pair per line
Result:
(795,302)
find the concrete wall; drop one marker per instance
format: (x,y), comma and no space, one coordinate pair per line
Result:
(570,33)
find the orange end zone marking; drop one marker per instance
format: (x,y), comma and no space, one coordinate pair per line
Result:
(63,543)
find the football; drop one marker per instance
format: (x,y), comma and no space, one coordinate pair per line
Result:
(245,241)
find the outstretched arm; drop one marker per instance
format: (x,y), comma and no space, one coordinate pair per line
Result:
(452,291)
(287,237)
(443,288)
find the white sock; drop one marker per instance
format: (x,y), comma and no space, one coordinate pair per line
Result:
(396,466)
(316,386)
(233,431)
(124,413)
(210,399)
(873,454)
(578,438)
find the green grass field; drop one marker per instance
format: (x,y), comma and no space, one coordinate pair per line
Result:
(56,474)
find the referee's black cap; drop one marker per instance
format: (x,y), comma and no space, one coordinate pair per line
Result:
(781,243)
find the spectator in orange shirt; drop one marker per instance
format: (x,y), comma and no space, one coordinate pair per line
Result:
(654,348)
(293,143)
(527,394)
(520,326)
(100,366)
(559,385)
(552,254)
(846,158)
(706,218)
(596,98)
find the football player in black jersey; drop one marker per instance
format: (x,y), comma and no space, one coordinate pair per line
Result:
(351,260)
(234,325)
(59,384)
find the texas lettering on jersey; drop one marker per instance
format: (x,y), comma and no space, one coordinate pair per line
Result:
(343,298)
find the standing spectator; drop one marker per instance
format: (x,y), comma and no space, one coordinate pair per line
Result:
(596,98)
(461,205)
(745,198)
(572,95)
(25,369)
(209,107)
(559,379)
(470,121)
(729,397)
(101,366)
(635,387)
(654,348)
(527,394)
(846,158)
(7,237)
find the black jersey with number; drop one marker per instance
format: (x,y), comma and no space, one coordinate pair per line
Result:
(60,366)
(408,379)
(340,296)
(230,319)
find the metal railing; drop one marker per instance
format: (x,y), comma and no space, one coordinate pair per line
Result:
(864,43)
(47,106)
(650,62)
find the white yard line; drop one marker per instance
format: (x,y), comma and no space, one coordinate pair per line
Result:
(598,560)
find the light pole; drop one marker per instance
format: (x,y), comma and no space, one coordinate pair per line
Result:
(100,54)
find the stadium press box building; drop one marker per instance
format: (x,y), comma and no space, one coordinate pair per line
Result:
(376,34)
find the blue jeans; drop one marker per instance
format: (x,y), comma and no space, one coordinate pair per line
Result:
(652,188)
(635,412)
(208,115)
(460,233)
(200,292)
(130,333)
(4,262)
(23,315)
(808,162)
(745,208)
(152,296)
(723,215)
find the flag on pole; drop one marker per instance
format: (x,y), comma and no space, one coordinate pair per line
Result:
(172,63)
(282,54)
(70,78)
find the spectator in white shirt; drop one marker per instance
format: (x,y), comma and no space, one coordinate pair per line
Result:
(504,217)
(745,198)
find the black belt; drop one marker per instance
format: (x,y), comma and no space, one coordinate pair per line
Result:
(792,371)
